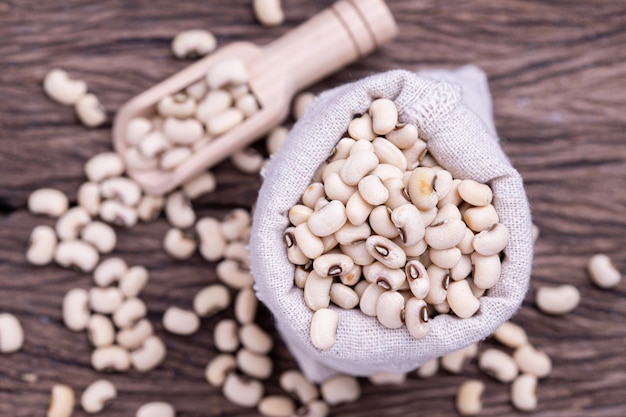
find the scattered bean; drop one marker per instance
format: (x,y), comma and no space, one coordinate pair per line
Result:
(498,364)
(194,43)
(150,355)
(524,392)
(156,409)
(11,333)
(61,401)
(90,111)
(179,321)
(76,253)
(468,397)
(97,396)
(277,406)
(110,358)
(557,300)
(48,201)
(532,361)
(58,85)
(76,309)
(100,330)
(602,271)
(340,389)
(242,391)
(41,245)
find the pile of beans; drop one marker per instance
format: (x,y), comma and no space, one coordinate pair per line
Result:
(384,228)
(186,121)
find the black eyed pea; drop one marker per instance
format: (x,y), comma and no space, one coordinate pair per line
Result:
(156,409)
(211,300)
(294,253)
(178,105)
(357,166)
(415,154)
(390,309)
(193,43)
(453,196)
(383,276)
(58,85)
(340,389)
(247,104)
(90,111)
(323,329)
(197,90)
(48,201)
(299,214)
(75,309)
(524,392)
(421,188)
(174,157)
(369,298)
(151,146)
(255,339)
(397,193)
(253,364)
(61,401)
(478,292)
(332,263)
(220,366)
(150,355)
(180,321)
(384,115)
(466,245)
(462,269)
(312,193)
(446,234)
(110,358)
(475,193)
(215,102)
(385,251)
(446,212)
(234,274)
(134,336)
(133,281)
(417,277)
(387,378)
(316,408)
(468,397)
(275,139)
(454,361)
(498,365)
(277,406)
(439,280)
(412,251)
(97,396)
(358,252)
(179,211)
(300,276)
(408,220)
(557,300)
(443,307)
(100,235)
(403,136)
(248,160)
(442,184)
(480,218)
(70,224)
(41,245)
(532,361)
(428,369)
(492,240)
(76,253)
(357,209)
(387,171)
(177,245)
(602,271)
(445,258)
(105,300)
(388,153)
(114,212)
(511,335)
(308,242)
(246,305)
(360,287)
(295,383)
(242,391)
(360,128)
(461,299)
(134,159)
(328,219)
(226,73)
(212,241)
(104,165)
(317,291)
(352,277)
(234,223)
(202,184)
(226,335)
(136,129)
(129,312)
(100,330)
(336,189)
(350,233)
(341,149)
(269,13)
(11,333)
(487,270)
(88,197)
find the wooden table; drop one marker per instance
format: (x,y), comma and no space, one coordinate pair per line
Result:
(557,73)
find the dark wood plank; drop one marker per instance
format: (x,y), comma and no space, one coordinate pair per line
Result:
(557,71)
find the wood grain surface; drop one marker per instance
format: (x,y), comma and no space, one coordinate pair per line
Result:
(557,72)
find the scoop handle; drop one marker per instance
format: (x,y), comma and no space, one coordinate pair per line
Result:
(330,40)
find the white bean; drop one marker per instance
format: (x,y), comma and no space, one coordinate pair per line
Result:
(100,235)
(557,300)
(97,396)
(524,392)
(340,389)
(76,253)
(468,397)
(602,271)
(11,333)
(179,321)
(219,367)
(48,201)
(41,245)
(104,165)
(193,43)
(90,111)
(58,85)
(211,300)
(76,309)
(150,355)
(61,401)
(156,409)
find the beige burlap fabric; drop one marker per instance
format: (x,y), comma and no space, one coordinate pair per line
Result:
(454,117)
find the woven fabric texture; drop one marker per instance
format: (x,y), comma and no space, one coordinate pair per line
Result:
(452,110)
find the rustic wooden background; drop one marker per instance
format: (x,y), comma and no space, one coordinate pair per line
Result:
(557,71)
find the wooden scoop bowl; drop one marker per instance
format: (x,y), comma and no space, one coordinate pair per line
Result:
(337,36)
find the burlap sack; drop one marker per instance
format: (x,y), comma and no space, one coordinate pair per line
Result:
(454,117)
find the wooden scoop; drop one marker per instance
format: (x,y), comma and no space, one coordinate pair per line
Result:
(337,36)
